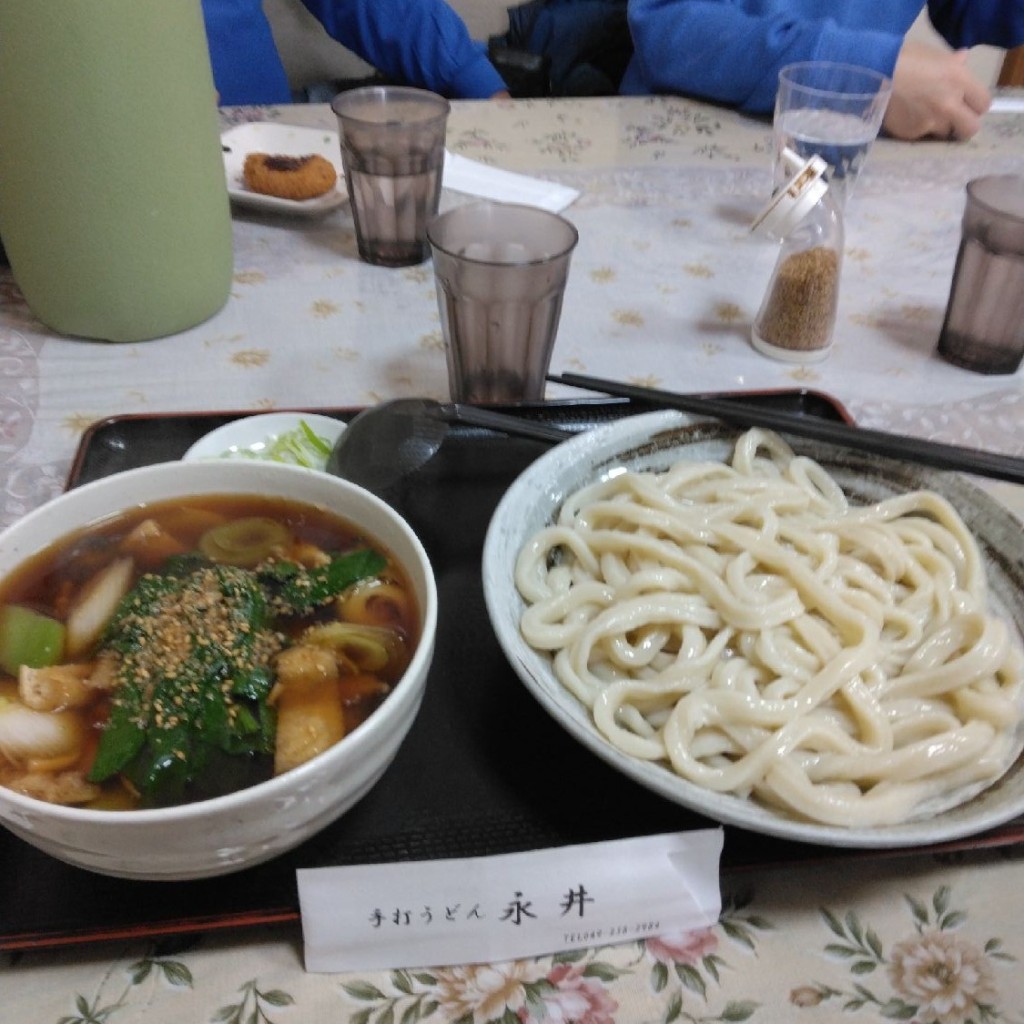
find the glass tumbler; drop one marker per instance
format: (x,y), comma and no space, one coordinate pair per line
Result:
(830,110)
(392,150)
(500,271)
(984,324)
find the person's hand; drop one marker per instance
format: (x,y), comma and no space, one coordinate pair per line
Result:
(934,94)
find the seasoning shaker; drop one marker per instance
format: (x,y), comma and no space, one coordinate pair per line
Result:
(798,313)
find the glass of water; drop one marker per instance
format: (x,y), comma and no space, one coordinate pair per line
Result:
(831,110)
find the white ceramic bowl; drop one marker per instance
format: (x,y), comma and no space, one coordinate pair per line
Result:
(228,833)
(655,441)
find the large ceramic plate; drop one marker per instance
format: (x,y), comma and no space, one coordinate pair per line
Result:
(286,140)
(654,441)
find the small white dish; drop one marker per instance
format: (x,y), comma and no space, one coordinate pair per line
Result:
(269,437)
(286,140)
(655,441)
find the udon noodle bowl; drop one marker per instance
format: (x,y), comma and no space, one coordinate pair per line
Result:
(746,625)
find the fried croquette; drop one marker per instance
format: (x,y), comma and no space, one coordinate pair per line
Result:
(289,177)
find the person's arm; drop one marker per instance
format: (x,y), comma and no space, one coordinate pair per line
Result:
(935,94)
(718,50)
(422,42)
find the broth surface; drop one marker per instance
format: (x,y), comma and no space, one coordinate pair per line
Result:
(256,632)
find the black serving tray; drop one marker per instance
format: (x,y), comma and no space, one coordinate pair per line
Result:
(484,769)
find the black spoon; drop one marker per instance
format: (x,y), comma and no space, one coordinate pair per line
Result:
(387,442)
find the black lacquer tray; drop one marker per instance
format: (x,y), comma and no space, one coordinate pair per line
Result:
(484,769)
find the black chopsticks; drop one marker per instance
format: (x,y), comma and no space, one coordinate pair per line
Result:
(878,442)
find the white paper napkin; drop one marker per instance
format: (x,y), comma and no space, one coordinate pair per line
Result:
(477,179)
(1007,105)
(508,906)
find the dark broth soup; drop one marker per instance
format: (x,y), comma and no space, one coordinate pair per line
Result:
(188,649)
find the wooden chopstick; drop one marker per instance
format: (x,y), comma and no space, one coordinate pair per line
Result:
(878,442)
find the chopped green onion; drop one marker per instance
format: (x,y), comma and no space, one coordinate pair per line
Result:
(318,443)
(299,447)
(246,542)
(28,638)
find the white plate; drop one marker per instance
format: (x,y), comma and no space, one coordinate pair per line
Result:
(254,437)
(655,441)
(287,140)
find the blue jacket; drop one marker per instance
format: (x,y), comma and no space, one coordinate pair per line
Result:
(422,42)
(731,51)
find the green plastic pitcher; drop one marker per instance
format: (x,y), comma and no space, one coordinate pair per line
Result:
(113,201)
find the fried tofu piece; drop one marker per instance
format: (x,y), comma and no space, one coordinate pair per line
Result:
(310,713)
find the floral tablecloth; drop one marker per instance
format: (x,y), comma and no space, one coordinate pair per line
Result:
(927,940)
(663,288)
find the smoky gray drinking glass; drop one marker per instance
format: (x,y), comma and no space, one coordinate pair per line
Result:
(500,271)
(984,325)
(392,151)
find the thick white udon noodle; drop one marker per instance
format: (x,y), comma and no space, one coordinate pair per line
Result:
(747,625)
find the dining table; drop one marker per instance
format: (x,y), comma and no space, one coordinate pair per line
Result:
(664,285)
